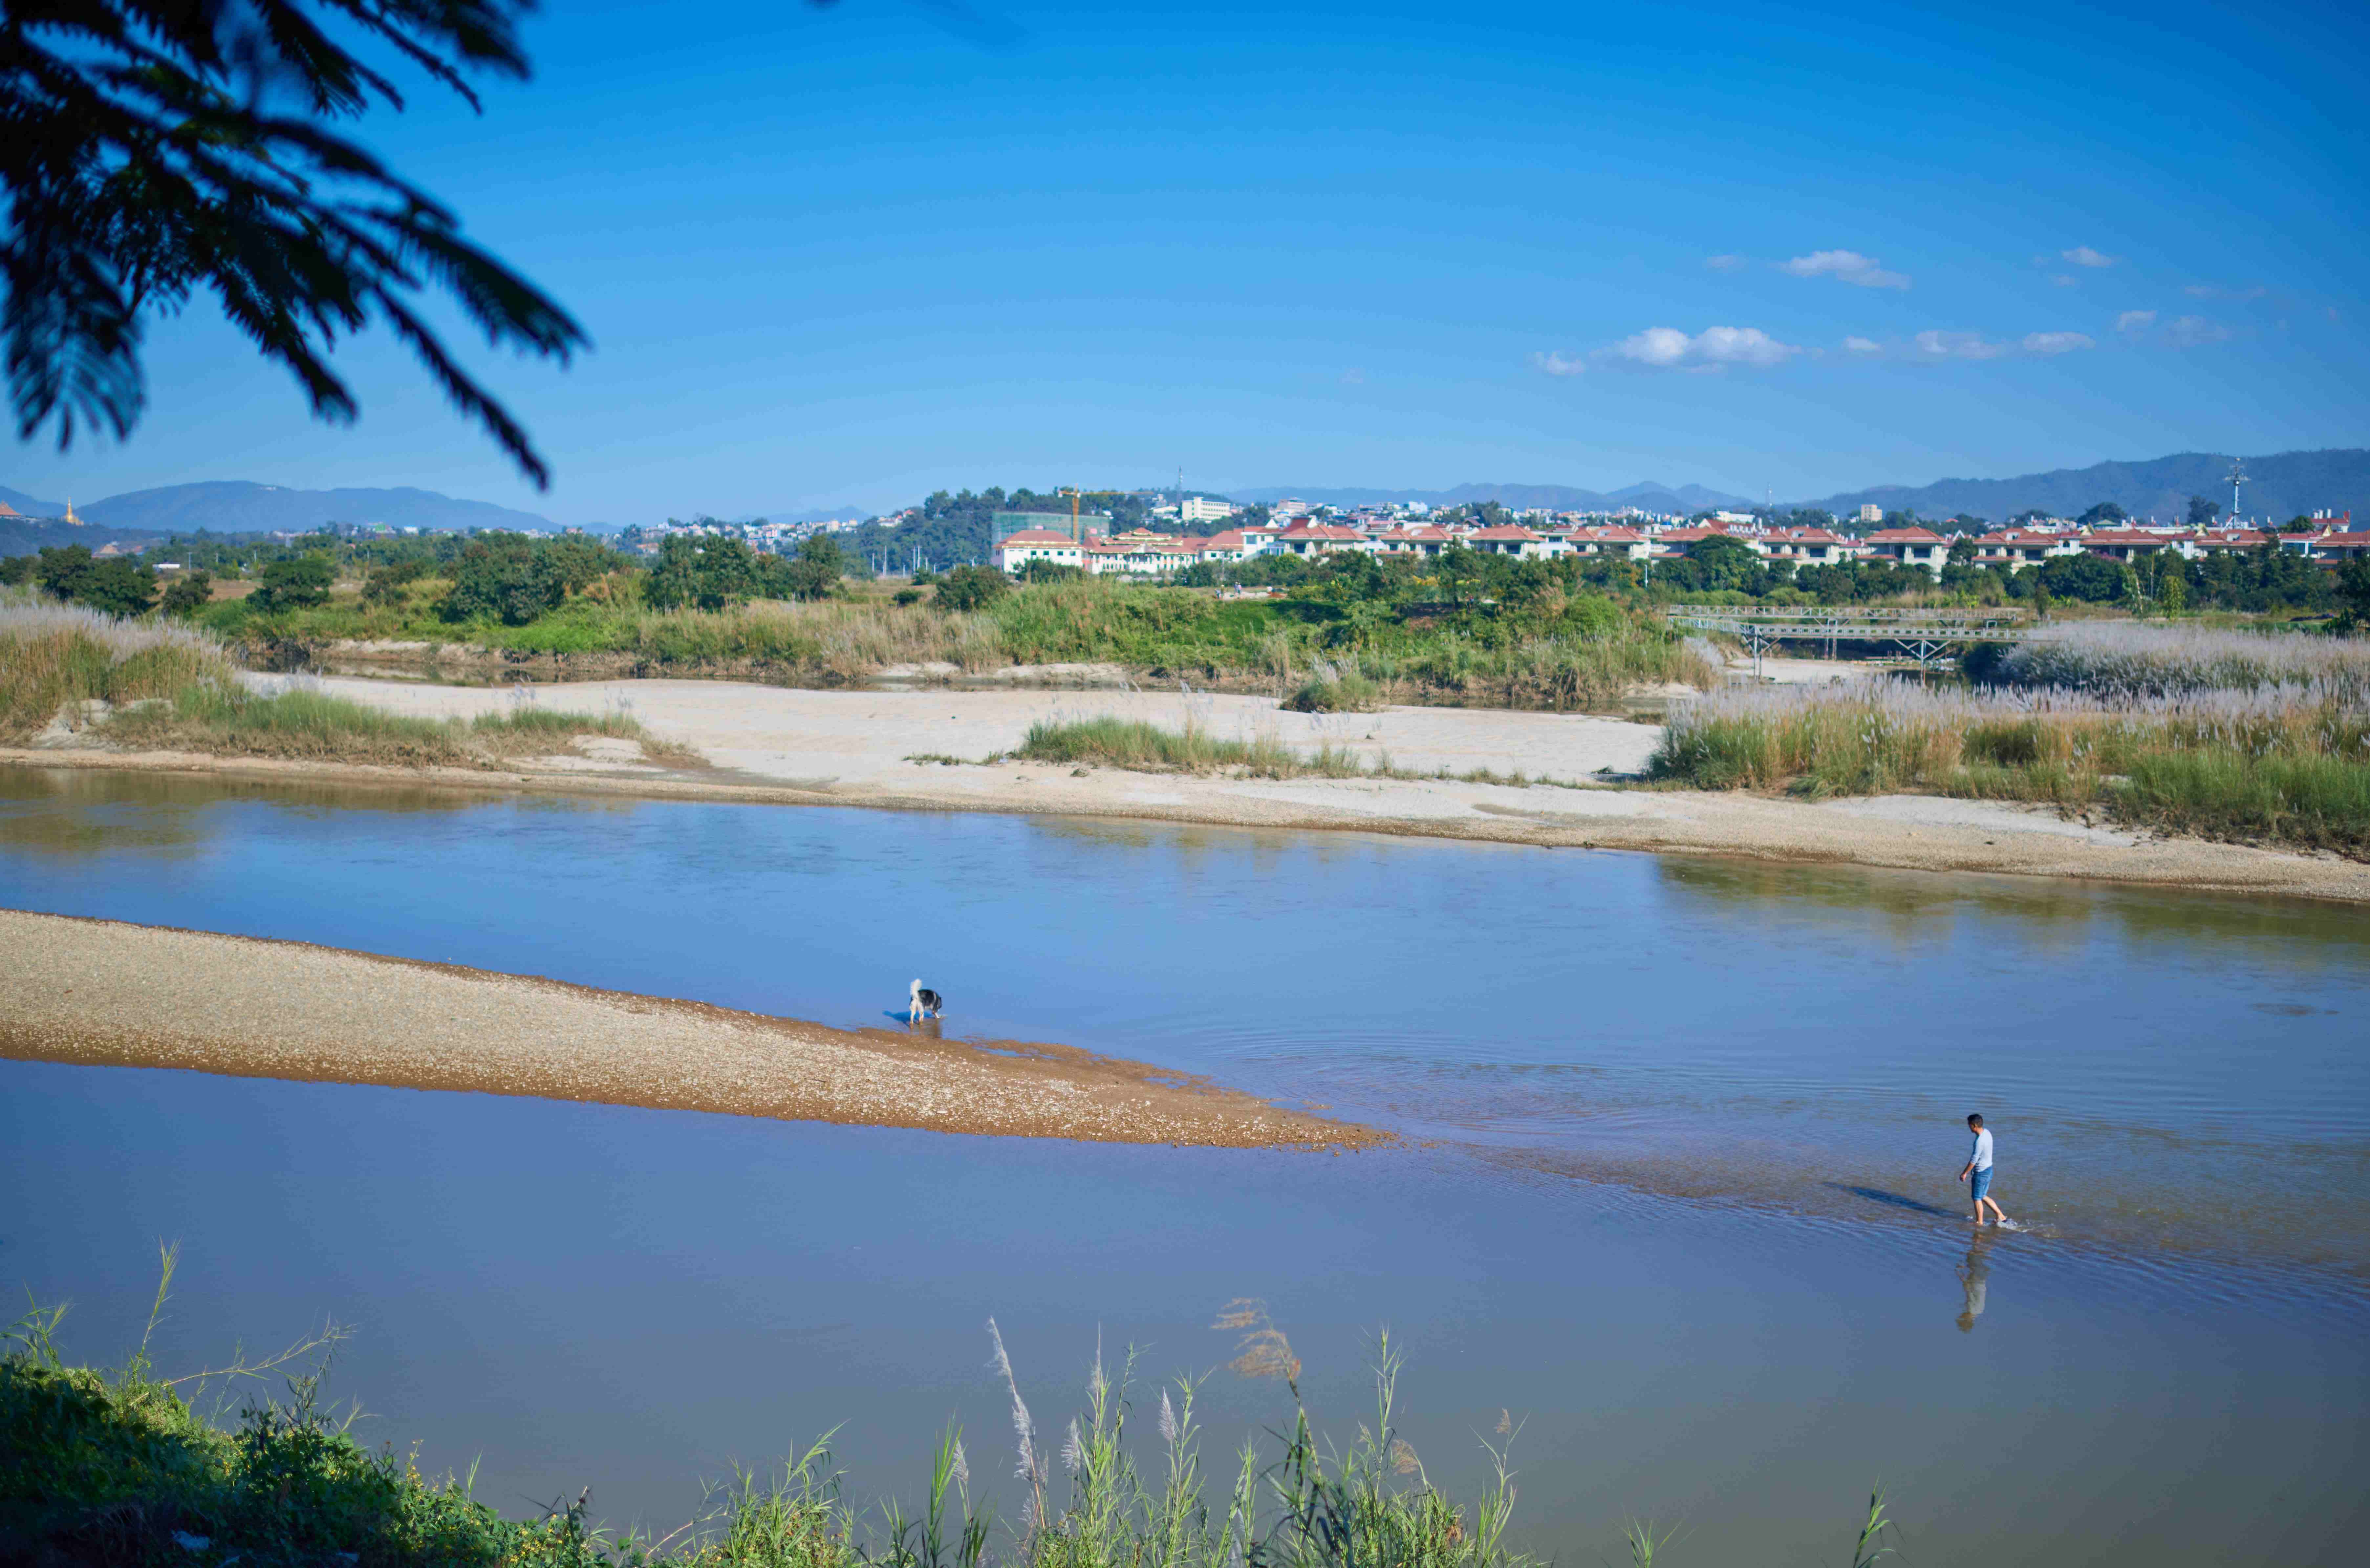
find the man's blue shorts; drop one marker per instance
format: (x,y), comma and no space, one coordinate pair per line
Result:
(1979,1183)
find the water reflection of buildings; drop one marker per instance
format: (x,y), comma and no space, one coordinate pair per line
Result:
(1975,1281)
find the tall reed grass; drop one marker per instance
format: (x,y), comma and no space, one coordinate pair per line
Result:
(171,687)
(2127,659)
(2287,762)
(53,655)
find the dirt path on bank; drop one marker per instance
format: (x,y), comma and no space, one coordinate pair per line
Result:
(102,992)
(772,744)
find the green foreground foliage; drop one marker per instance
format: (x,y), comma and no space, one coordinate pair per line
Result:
(122,1467)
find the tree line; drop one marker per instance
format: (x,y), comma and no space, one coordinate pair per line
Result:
(494,576)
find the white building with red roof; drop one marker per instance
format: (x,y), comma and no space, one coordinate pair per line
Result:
(2336,549)
(1427,540)
(1609,540)
(1514,539)
(2218,541)
(1307,538)
(1227,546)
(2124,544)
(1259,538)
(2013,547)
(1014,551)
(1808,547)
(1910,547)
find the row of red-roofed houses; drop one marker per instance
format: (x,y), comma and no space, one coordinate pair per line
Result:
(1142,553)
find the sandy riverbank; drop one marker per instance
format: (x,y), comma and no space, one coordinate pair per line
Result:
(768,743)
(106,993)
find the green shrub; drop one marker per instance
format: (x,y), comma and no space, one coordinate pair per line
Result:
(969,588)
(188,593)
(117,585)
(299,582)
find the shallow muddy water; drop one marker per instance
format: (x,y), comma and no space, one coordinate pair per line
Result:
(1679,1183)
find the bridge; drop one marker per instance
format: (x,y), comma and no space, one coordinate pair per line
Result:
(1925,638)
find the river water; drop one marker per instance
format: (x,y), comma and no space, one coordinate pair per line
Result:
(1678,1188)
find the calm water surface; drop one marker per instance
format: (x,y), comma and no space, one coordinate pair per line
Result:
(1682,1188)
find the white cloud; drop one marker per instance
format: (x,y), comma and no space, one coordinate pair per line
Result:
(1723,263)
(1845,266)
(2194,331)
(1557,365)
(1957,345)
(1742,345)
(1862,346)
(2201,291)
(1353,376)
(2063,280)
(2083,256)
(1655,346)
(1714,348)
(2135,321)
(2055,342)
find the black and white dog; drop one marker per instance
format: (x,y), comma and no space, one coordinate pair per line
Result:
(923,1002)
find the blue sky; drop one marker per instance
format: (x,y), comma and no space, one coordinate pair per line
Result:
(848,256)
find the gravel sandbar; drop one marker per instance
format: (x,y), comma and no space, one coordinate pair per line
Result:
(107,993)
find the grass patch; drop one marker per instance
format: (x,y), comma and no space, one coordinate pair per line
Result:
(172,688)
(1112,742)
(304,725)
(1331,689)
(53,655)
(1107,741)
(2282,764)
(122,1467)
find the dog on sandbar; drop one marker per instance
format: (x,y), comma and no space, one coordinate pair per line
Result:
(921,1002)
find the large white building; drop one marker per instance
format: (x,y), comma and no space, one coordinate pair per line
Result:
(1016,551)
(1201,509)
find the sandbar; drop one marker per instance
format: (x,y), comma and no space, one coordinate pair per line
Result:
(107,993)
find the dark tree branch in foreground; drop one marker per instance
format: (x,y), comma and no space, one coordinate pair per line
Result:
(141,158)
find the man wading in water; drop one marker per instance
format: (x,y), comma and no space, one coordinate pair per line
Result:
(1978,1173)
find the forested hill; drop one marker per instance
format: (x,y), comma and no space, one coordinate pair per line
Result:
(2281,485)
(1647,496)
(951,529)
(243,506)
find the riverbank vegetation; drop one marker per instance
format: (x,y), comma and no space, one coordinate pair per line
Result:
(1109,741)
(2235,736)
(1348,633)
(152,687)
(122,1467)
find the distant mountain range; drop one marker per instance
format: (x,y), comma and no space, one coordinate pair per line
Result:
(1648,497)
(242,506)
(2279,487)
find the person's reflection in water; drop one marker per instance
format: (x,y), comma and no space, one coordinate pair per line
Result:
(1975,1278)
